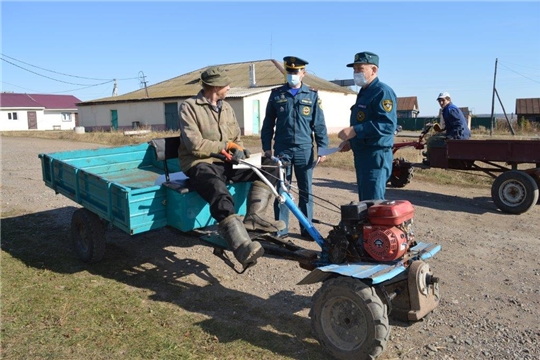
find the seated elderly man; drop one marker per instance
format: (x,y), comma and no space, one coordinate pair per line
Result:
(208,125)
(455,125)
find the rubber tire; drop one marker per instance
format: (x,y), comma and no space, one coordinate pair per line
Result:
(88,235)
(514,192)
(402,173)
(366,316)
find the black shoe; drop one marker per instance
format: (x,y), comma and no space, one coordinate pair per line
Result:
(425,162)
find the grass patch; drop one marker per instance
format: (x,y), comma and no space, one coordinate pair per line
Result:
(136,304)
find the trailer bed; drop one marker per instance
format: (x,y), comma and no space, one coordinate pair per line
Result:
(119,184)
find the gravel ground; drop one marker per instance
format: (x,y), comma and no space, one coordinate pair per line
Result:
(489,266)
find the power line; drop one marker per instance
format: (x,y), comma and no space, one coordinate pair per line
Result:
(48,77)
(56,72)
(526,77)
(530,67)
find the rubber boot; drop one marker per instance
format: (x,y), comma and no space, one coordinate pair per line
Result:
(259,198)
(236,236)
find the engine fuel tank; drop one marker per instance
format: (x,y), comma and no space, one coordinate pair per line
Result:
(390,213)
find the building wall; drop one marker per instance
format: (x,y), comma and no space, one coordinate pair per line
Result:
(147,113)
(22,119)
(55,120)
(336,107)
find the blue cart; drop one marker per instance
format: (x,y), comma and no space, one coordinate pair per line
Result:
(370,264)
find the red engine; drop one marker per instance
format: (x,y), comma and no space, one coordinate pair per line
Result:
(388,235)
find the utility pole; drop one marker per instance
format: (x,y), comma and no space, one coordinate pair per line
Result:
(142,79)
(493,100)
(115,89)
(495,92)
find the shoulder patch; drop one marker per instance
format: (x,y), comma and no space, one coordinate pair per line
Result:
(387,105)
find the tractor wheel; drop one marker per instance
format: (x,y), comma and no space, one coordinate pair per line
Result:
(349,319)
(402,173)
(88,235)
(514,192)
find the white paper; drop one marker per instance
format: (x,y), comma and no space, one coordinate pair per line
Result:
(254,159)
(327,151)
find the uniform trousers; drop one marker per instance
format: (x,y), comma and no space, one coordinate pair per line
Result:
(373,169)
(301,162)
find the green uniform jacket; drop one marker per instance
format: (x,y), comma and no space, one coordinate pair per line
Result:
(203,130)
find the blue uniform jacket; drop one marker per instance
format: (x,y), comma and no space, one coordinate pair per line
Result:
(455,123)
(295,118)
(374,117)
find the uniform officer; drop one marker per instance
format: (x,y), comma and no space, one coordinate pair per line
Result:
(294,117)
(373,123)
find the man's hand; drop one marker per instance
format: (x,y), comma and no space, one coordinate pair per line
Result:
(345,146)
(239,155)
(321,159)
(347,133)
(229,146)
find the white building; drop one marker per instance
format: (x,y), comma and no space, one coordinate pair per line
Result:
(37,112)
(156,106)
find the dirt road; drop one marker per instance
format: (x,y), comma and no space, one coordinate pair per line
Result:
(489,265)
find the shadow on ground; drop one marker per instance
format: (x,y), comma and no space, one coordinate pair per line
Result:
(42,241)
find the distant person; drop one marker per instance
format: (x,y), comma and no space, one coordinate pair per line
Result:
(208,125)
(294,120)
(373,125)
(455,125)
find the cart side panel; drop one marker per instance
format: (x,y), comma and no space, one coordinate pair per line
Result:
(147,209)
(123,192)
(188,211)
(519,151)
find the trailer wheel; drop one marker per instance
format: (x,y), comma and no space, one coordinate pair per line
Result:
(349,319)
(514,192)
(88,235)
(402,173)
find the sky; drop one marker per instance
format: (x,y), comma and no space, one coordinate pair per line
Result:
(425,47)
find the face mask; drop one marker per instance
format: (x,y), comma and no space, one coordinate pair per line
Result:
(360,79)
(293,79)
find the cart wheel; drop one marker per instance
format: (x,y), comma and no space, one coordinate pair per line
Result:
(88,235)
(349,319)
(514,192)
(402,173)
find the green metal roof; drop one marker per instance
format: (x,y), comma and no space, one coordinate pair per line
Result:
(268,73)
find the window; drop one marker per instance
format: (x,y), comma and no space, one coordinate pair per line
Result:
(12,116)
(66,117)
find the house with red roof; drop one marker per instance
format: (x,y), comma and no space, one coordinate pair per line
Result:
(38,112)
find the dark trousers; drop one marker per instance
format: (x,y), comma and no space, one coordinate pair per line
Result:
(210,180)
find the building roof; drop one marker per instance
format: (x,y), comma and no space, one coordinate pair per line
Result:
(529,106)
(407,103)
(50,102)
(268,74)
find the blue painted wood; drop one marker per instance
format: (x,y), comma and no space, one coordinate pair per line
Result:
(117,184)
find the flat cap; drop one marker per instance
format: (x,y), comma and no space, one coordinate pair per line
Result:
(293,63)
(365,57)
(215,76)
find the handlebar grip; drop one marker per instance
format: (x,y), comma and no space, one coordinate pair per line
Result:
(218,156)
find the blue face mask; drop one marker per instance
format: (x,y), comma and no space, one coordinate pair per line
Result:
(360,79)
(293,79)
